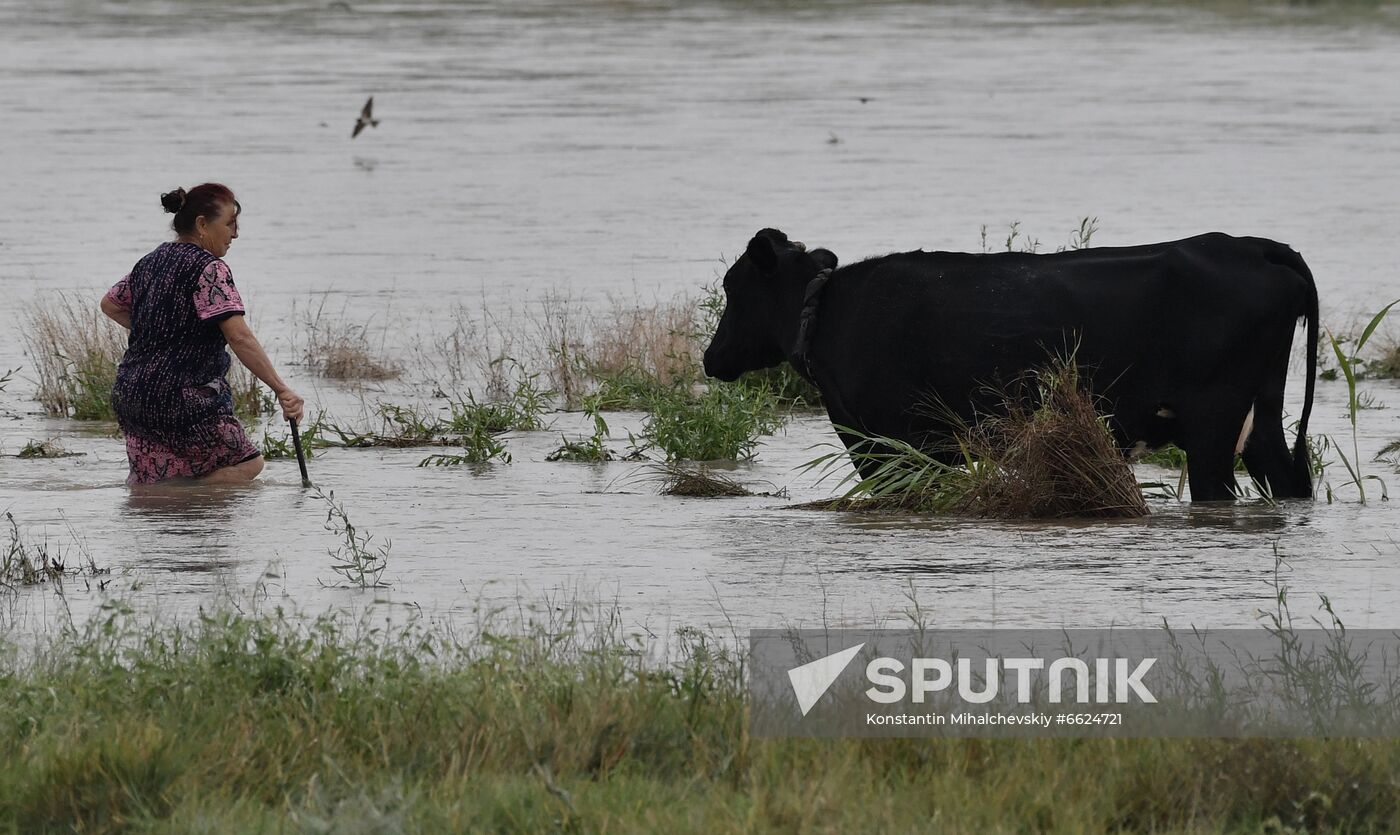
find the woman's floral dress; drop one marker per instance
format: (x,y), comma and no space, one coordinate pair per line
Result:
(172,396)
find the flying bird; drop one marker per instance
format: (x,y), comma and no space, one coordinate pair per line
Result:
(366,118)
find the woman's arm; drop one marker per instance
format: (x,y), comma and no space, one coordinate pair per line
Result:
(116,312)
(250,352)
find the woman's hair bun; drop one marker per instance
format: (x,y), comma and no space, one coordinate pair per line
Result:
(173,201)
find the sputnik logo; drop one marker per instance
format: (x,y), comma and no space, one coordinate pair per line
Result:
(811,681)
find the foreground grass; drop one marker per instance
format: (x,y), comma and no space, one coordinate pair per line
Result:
(259,723)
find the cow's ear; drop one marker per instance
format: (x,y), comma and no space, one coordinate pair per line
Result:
(825,258)
(762,252)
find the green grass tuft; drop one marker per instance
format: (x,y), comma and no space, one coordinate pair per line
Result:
(725,422)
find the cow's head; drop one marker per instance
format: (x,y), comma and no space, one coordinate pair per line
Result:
(763,294)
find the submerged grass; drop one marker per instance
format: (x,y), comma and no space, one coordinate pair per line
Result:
(357,559)
(591,449)
(26,562)
(621,357)
(76,350)
(561,720)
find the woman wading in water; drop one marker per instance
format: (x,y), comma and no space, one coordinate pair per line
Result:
(172,396)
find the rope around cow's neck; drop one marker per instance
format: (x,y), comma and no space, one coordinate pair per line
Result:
(807,323)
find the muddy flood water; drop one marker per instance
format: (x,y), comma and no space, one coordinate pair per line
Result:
(589,154)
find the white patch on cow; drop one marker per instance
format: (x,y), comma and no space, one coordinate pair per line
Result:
(1164,412)
(1245,431)
(1138,450)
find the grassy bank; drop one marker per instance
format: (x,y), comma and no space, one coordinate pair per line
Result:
(260,723)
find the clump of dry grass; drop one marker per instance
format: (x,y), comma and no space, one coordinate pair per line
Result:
(615,356)
(346,355)
(1053,456)
(75,350)
(339,349)
(657,340)
(1386,365)
(621,355)
(1048,456)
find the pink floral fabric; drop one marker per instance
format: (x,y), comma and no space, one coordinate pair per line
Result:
(120,294)
(151,461)
(214,293)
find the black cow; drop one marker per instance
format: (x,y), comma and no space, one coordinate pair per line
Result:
(1185,341)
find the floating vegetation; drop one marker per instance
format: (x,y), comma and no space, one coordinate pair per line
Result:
(1053,455)
(1390,454)
(1050,455)
(675,479)
(313,437)
(46,449)
(591,449)
(479,446)
(466,423)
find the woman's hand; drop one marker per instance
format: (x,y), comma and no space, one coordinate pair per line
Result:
(292,405)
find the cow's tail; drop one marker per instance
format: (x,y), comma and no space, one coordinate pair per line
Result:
(1302,466)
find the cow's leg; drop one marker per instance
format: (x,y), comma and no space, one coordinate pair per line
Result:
(1209,436)
(1266,453)
(1211,468)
